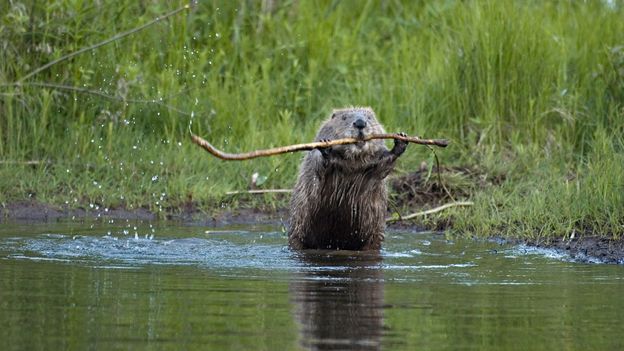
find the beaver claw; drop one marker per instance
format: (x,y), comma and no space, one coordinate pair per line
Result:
(399,145)
(325,150)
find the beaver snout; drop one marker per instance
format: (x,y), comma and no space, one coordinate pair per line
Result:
(359,124)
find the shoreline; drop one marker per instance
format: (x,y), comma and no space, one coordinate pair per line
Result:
(584,249)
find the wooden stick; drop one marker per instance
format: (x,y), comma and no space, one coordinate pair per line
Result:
(309,146)
(260,191)
(431,211)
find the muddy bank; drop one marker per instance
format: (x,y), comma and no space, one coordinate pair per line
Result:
(589,249)
(33,211)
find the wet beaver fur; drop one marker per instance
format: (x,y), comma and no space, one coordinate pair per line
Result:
(340,199)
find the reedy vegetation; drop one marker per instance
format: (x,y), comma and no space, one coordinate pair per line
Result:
(530,91)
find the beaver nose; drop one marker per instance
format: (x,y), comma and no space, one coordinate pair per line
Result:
(359,123)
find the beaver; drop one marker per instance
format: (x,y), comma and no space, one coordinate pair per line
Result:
(339,201)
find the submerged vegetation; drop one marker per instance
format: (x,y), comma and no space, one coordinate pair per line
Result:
(531,94)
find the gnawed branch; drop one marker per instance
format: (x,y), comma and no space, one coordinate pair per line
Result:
(260,191)
(309,146)
(430,211)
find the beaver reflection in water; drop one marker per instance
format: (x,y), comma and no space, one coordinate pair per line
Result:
(339,303)
(340,199)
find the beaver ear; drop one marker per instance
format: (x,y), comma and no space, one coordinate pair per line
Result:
(333,115)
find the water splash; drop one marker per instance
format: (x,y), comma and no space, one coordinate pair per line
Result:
(405,257)
(136,250)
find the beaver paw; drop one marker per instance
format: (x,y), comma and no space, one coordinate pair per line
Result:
(399,145)
(325,151)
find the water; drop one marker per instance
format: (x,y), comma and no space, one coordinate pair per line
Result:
(109,286)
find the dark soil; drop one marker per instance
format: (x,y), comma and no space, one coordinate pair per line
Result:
(37,212)
(32,211)
(424,189)
(588,249)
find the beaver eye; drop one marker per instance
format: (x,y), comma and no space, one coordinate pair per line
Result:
(333,115)
(344,118)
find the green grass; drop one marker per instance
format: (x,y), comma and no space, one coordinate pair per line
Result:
(529,91)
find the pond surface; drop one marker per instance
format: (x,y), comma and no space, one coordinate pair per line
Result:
(151,286)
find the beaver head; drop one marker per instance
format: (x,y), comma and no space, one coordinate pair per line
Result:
(354,122)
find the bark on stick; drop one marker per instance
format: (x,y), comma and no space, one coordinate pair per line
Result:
(309,146)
